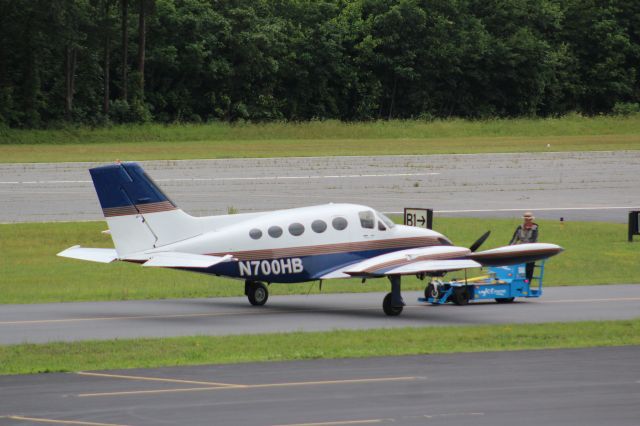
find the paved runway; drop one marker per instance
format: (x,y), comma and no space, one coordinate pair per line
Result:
(226,316)
(586,387)
(574,185)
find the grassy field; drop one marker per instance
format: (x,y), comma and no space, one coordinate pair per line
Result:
(596,253)
(219,140)
(147,353)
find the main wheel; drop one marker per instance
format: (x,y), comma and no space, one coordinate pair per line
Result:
(257,294)
(392,311)
(505,299)
(461,296)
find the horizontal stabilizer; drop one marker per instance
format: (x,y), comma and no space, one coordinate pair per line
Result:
(433,266)
(173,259)
(102,255)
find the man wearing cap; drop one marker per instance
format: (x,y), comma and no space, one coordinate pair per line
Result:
(526,233)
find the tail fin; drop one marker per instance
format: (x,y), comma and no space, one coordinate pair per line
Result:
(140,216)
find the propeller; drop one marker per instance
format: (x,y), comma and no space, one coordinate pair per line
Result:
(479,241)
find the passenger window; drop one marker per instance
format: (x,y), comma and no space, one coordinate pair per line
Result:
(275,231)
(381,227)
(255,233)
(339,223)
(296,229)
(319,226)
(367,219)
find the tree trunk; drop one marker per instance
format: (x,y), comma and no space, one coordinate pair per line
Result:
(393,97)
(70,71)
(125,47)
(141,46)
(107,64)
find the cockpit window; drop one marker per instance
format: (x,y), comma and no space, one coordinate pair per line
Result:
(444,241)
(381,226)
(386,220)
(367,219)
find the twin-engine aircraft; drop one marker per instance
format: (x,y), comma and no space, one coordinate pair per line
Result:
(284,246)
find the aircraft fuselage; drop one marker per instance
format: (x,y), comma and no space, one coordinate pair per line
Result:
(303,244)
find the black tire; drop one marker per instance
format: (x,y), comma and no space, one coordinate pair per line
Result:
(430,291)
(392,311)
(505,300)
(258,294)
(461,296)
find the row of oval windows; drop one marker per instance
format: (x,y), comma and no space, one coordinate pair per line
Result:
(296,229)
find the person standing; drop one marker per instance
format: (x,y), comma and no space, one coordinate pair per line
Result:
(526,233)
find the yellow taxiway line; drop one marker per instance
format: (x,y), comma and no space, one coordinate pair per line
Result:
(273,312)
(60,422)
(194,315)
(155,379)
(338,423)
(255,386)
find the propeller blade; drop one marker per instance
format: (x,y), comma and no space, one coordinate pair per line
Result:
(479,241)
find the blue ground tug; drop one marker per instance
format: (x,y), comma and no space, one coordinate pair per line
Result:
(503,283)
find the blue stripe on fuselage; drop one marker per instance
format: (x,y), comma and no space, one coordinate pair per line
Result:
(313,267)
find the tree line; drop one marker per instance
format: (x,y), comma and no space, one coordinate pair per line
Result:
(110,61)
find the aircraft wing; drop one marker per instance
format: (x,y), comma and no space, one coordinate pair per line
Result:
(445,258)
(413,261)
(433,266)
(512,255)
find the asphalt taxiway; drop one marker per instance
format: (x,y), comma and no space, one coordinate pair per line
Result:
(39,323)
(573,185)
(586,387)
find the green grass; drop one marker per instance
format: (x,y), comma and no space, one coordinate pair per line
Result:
(30,272)
(219,140)
(147,353)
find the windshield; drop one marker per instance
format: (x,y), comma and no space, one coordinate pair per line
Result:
(386,220)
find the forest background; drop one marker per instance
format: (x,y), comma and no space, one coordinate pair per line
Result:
(98,62)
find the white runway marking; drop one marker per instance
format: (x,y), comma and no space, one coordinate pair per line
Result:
(542,209)
(36,182)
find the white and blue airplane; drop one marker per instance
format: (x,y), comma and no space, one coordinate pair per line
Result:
(283,246)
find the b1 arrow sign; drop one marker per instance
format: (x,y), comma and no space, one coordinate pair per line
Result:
(422,218)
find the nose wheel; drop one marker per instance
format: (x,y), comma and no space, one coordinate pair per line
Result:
(256,292)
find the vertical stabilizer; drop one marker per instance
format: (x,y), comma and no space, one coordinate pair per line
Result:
(140,216)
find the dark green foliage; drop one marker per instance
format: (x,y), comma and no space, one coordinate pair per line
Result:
(269,60)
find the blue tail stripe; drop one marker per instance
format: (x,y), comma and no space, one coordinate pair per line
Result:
(121,185)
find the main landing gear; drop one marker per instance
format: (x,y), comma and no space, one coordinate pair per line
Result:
(256,292)
(393,304)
